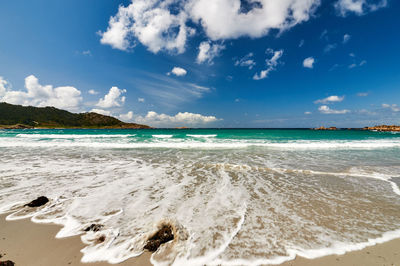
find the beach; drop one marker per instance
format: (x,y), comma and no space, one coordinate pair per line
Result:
(26,243)
(232,197)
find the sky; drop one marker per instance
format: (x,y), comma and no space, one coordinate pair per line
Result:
(206,63)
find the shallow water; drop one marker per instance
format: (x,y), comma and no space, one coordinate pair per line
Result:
(234,196)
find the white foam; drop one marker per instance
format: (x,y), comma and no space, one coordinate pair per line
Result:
(73,136)
(202,136)
(162,136)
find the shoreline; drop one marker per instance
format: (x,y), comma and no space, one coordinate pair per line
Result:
(27,243)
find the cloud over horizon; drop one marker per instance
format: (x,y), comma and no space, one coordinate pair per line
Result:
(63,97)
(180,119)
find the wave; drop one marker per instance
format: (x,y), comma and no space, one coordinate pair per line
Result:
(73,136)
(162,136)
(189,144)
(202,136)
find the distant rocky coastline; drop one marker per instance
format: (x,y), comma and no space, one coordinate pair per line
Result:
(326,128)
(384,128)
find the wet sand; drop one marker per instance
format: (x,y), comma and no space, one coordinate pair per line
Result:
(27,243)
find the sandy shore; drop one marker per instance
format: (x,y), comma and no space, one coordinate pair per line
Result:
(27,243)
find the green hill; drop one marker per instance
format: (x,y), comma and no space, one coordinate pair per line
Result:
(51,117)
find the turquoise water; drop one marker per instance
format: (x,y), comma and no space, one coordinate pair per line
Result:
(235,196)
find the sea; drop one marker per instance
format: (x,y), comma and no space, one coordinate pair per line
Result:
(232,196)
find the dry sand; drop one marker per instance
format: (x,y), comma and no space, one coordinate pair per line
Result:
(30,244)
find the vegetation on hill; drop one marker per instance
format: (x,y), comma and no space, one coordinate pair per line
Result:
(51,117)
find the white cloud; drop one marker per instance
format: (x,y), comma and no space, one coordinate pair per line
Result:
(363,62)
(208,51)
(309,62)
(4,86)
(326,110)
(169,92)
(141,100)
(153,24)
(100,111)
(65,97)
(246,61)
(93,92)
(330,99)
(307,113)
(346,38)
(112,99)
(392,107)
(272,63)
(178,71)
(180,119)
(126,117)
(87,52)
(301,43)
(362,94)
(359,7)
(330,47)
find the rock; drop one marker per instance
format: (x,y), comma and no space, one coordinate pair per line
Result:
(7,263)
(38,202)
(392,128)
(101,239)
(93,227)
(326,128)
(163,235)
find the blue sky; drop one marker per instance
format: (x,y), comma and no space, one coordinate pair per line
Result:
(202,63)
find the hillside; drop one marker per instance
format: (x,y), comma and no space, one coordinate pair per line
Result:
(51,117)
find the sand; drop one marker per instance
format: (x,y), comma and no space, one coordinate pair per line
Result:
(30,244)
(27,243)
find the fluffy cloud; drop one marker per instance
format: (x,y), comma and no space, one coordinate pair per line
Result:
(359,7)
(178,71)
(330,99)
(112,99)
(324,109)
(309,62)
(246,61)
(392,107)
(100,111)
(180,119)
(141,100)
(126,117)
(65,97)
(208,51)
(3,86)
(163,25)
(150,22)
(272,63)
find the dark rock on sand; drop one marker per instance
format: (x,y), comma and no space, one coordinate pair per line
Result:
(38,202)
(7,263)
(93,227)
(101,239)
(162,236)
